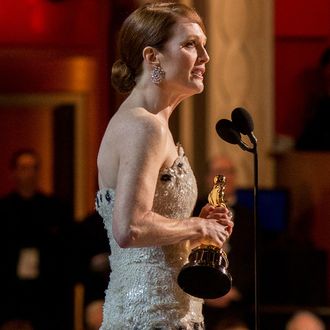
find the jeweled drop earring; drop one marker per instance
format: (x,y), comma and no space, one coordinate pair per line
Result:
(157,75)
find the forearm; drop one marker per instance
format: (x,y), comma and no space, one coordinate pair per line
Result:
(152,229)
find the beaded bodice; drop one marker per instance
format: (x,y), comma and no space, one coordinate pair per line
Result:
(143,293)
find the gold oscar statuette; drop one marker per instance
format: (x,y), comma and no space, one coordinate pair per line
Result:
(206,273)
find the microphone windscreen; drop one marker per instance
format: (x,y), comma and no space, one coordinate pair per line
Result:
(227,132)
(242,120)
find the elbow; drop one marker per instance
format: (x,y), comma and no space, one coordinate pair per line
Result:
(123,242)
(125,237)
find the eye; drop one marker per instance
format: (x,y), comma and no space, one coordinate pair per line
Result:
(190,44)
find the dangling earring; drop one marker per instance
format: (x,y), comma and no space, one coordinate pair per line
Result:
(157,75)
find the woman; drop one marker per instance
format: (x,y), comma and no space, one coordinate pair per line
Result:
(147,189)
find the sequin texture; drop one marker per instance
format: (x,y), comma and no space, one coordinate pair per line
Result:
(143,293)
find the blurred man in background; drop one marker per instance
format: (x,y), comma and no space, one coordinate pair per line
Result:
(35,277)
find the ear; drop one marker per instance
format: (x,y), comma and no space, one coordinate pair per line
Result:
(150,55)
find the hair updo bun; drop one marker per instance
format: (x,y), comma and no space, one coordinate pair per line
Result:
(122,78)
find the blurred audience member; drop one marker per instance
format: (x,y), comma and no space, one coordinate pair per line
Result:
(34,278)
(305,320)
(233,309)
(316,133)
(92,269)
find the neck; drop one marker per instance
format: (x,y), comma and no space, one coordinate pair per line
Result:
(158,100)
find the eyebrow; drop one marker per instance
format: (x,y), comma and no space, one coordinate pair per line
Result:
(196,36)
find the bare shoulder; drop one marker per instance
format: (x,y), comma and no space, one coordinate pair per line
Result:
(138,125)
(141,118)
(131,130)
(132,137)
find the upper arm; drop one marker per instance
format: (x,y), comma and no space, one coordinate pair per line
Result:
(143,150)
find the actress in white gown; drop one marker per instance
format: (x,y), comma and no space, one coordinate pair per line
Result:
(147,190)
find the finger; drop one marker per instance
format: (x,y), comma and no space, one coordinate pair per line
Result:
(222,219)
(223,236)
(220,209)
(230,223)
(230,230)
(217,215)
(205,211)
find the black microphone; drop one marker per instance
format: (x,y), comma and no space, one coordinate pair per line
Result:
(229,133)
(243,122)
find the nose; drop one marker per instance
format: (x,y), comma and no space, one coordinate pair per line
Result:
(203,56)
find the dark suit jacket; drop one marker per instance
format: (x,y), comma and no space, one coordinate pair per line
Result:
(43,223)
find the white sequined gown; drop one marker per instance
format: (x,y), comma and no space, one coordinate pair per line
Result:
(143,293)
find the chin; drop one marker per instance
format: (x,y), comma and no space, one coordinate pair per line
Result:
(197,86)
(199,89)
(193,88)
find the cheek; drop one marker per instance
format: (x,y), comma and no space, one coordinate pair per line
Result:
(180,61)
(184,67)
(178,69)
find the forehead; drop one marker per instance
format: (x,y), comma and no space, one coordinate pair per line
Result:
(184,29)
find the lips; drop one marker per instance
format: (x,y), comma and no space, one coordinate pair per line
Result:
(198,72)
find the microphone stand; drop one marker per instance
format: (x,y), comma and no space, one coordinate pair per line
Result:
(256,240)
(256,228)
(231,134)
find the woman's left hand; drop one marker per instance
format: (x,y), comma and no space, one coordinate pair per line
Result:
(221,213)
